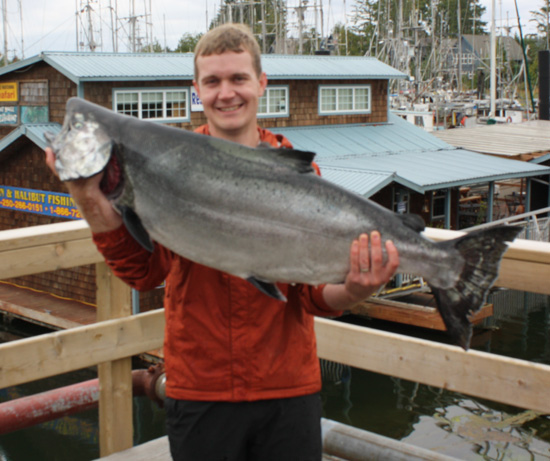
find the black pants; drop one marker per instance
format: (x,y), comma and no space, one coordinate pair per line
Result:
(282,429)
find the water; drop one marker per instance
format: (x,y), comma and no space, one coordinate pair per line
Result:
(448,422)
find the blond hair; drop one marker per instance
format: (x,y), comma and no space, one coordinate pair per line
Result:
(229,37)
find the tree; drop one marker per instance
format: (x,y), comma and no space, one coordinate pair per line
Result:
(357,43)
(542,19)
(470,18)
(394,18)
(187,43)
(266,18)
(154,47)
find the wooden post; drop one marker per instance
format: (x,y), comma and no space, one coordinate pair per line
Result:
(115,378)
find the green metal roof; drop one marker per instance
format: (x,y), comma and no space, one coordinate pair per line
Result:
(88,67)
(362,182)
(35,132)
(411,156)
(366,158)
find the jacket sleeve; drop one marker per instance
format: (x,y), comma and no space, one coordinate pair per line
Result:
(131,262)
(313,302)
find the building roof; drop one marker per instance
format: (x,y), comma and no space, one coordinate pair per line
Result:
(34,132)
(481,45)
(503,139)
(367,158)
(89,67)
(398,151)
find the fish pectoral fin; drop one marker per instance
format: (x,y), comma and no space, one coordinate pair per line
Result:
(269,289)
(298,160)
(135,227)
(413,221)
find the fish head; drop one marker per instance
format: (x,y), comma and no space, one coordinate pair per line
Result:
(83,147)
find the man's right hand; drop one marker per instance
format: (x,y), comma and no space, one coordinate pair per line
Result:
(95,208)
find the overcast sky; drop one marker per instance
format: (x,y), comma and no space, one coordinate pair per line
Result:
(50,25)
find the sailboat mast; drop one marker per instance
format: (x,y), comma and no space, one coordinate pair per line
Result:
(5,21)
(493,80)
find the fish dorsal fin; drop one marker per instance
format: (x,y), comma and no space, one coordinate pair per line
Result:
(298,160)
(413,221)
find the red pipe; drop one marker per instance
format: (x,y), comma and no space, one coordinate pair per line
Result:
(46,406)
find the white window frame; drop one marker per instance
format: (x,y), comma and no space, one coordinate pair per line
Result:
(268,91)
(339,111)
(165,91)
(437,196)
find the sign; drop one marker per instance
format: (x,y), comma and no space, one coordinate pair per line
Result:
(34,114)
(8,92)
(54,204)
(196,103)
(33,93)
(9,115)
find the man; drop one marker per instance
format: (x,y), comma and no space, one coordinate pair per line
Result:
(243,376)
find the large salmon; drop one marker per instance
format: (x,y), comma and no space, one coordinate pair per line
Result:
(261,214)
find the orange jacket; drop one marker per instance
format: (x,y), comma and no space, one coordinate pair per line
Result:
(224,340)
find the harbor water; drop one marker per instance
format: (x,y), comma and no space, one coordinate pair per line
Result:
(447,422)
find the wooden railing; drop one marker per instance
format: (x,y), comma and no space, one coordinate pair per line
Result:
(117,336)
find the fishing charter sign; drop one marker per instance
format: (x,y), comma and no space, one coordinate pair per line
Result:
(47,203)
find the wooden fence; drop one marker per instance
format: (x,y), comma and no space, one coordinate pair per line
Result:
(117,336)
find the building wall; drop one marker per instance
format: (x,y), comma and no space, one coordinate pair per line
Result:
(23,166)
(23,162)
(60,88)
(303,101)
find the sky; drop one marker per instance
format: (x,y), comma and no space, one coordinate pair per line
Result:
(50,25)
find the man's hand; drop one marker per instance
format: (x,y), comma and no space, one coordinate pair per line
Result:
(96,209)
(367,273)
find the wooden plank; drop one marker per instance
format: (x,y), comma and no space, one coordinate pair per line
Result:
(154,450)
(115,378)
(525,266)
(49,257)
(411,314)
(524,276)
(26,237)
(36,316)
(515,382)
(52,256)
(44,308)
(519,249)
(63,351)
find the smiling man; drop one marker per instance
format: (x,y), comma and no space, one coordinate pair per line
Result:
(242,373)
(229,86)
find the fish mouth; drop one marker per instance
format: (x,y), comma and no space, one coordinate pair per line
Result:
(112,182)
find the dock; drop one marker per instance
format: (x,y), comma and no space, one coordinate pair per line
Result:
(53,312)
(117,336)
(340,442)
(44,309)
(415,309)
(158,450)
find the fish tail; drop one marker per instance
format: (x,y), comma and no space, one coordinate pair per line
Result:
(482,252)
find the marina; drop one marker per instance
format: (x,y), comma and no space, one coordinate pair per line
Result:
(418,352)
(429,116)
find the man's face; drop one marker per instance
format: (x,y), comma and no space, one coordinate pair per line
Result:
(229,89)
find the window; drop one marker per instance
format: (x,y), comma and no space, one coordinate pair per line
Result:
(438,198)
(274,102)
(344,99)
(157,104)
